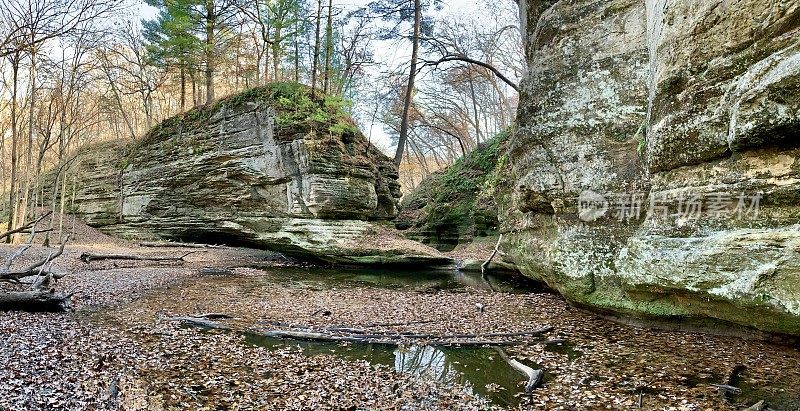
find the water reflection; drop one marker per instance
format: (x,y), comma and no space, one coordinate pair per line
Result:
(425,361)
(427,280)
(480,370)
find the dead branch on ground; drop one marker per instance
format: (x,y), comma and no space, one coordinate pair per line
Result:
(40,296)
(89,257)
(534,376)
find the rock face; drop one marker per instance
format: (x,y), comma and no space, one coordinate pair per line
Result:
(459,203)
(269,167)
(656,165)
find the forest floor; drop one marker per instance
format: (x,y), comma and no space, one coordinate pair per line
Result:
(121,348)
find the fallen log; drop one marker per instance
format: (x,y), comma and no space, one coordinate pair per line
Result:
(534,376)
(200,322)
(89,257)
(25,227)
(170,244)
(339,334)
(398,324)
(212,316)
(365,334)
(40,296)
(540,331)
(378,339)
(728,389)
(215,271)
(35,300)
(488,261)
(759,406)
(34,269)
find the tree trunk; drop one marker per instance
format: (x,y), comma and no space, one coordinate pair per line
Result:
(315,63)
(211,21)
(401,141)
(276,54)
(475,109)
(12,184)
(296,49)
(192,77)
(183,88)
(328,47)
(26,191)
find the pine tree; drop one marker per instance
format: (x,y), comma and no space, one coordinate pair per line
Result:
(171,42)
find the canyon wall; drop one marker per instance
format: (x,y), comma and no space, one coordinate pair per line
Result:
(656,163)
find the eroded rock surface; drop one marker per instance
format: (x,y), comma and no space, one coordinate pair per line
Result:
(677,124)
(269,168)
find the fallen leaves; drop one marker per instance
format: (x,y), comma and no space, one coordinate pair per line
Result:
(121,351)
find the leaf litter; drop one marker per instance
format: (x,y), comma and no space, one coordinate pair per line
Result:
(120,350)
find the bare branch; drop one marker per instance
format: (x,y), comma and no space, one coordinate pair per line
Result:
(25,227)
(465,59)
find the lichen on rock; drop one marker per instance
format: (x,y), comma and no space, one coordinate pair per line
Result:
(671,100)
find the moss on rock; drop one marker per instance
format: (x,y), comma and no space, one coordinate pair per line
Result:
(459,203)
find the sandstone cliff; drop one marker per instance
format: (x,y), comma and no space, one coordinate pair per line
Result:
(269,167)
(656,165)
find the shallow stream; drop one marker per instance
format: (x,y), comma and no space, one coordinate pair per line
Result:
(481,370)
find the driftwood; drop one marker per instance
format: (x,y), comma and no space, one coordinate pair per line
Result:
(354,335)
(534,376)
(170,244)
(488,261)
(38,275)
(89,257)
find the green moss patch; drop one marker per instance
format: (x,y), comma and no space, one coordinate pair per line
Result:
(457,204)
(297,112)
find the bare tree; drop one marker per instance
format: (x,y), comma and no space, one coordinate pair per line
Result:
(412,76)
(26,24)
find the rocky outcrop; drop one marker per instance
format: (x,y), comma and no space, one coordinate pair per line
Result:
(269,167)
(656,165)
(457,204)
